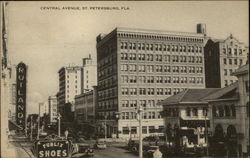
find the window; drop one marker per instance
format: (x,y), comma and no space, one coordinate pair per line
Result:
(205,111)
(133,130)
(144,130)
(142,91)
(235,51)
(225,72)
(225,61)
(161,129)
(230,61)
(151,129)
(125,130)
(224,50)
(195,111)
(188,112)
(235,62)
(226,83)
(241,61)
(247,86)
(233,110)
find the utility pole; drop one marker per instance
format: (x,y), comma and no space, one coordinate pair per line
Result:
(59,124)
(38,123)
(105,127)
(139,112)
(206,130)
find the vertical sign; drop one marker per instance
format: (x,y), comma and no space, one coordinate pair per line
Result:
(21,94)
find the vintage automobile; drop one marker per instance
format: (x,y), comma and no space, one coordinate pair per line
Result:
(100,144)
(83,150)
(150,151)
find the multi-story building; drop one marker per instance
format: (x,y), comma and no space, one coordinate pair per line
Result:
(85,105)
(69,85)
(138,67)
(185,114)
(222,57)
(52,102)
(89,74)
(230,116)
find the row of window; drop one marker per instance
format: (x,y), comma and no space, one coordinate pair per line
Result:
(146,115)
(159,47)
(159,37)
(106,61)
(190,112)
(151,91)
(160,79)
(161,68)
(230,61)
(108,82)
(228,72)
(112,92)
(145,130)
(143,103)
(229,51)
(107,71)
(224,111)
(158,57)
(107,104)
(227,82)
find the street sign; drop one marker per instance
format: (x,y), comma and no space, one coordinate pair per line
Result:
(53,148)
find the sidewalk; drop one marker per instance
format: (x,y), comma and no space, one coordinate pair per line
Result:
(9,151)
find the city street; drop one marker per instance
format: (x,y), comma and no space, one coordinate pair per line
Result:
(113,152)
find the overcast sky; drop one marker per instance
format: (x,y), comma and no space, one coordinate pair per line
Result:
(46,40)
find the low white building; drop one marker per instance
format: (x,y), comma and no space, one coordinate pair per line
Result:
(186,119)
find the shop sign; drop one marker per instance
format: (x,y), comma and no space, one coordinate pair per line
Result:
(53,148)
(21,94)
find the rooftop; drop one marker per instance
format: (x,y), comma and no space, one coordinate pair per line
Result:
(241,70)
(228,92)
(189,96)
(159,32)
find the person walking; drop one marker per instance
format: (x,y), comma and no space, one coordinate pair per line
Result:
(157,154)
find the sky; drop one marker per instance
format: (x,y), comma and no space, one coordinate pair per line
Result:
(47,39)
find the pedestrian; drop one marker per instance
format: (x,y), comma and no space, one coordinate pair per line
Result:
(157,154)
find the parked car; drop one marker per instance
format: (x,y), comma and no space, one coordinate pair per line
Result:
(150,151)
(133,144)
(100,144)
(83,150)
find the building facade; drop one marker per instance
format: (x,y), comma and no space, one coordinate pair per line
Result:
(52,102)
(69,85)
(139,67)
(230,117)
(89,74)
(186,118)
(222,57)
(85,105)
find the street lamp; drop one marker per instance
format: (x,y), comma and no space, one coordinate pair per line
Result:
(139,112)
(59,124)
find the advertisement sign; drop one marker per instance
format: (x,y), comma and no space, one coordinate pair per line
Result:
(21,94)
(53,148)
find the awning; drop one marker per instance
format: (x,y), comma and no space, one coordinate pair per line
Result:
(14,126)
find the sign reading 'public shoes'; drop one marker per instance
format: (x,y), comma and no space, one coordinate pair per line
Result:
(53,148)
(21,94)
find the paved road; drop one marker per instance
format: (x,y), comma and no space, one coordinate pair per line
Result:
(114,152)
